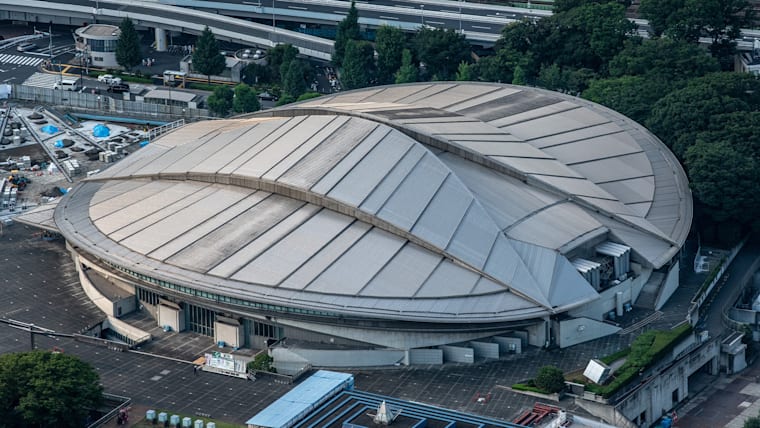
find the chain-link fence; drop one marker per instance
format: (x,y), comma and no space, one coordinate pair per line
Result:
(103,105)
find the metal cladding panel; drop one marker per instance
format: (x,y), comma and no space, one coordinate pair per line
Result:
(579,187)
(206,225)
(538,112)
(326,256)
(354,97)
(132,195)
(510,149)
(283,258)
(395,93)
(444,213)
(330,134)
(567,121)
(425,356)
(133,162)
(475,237)
(115,189)
(453,127)
(538,166)
(503,262)
(213,202)
(576,135)
(234,161)
(458,354)
(311,131)
(617,168)
(605,146)
(349,274)
(404,274)
(354,188)
(500,137)
(207,149)
(349,161)
(456,94)
(241,141)
(416,97)
(437,120)
(540,263)
(194,131)
(634,190)
(393,180)
(641,209)
(172,192)
(215,247)
(569,286)
(555,226)
(413,195)
(485,349)
(655,251)
(130,235)
(234,262)
(172,156)
(482,99)
(486,286)
(312,167)
(448,279)
(506,199)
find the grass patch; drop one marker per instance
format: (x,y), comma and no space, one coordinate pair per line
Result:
(644,352)
(529,386)
(144,423)
(609,359)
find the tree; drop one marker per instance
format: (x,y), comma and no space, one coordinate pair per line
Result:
(256,73)
(128,46)
(206,58)
(47,389)
(551,78)
(358,64)
(245,100)
(661,14)
(441,51)
(465,71)
(407,73)
(348,29)
(220,102)
(293,83)
(632,96)
(550,379)
(389,44)
(752,422)
(519,76)
(279,55)
(261,362)
(663,58)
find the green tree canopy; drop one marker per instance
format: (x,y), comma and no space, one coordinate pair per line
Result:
(465,71)
(293,83)
(348,29)
(407,73)
(389,43)
(358,64)
(724,167)
(279,55)
(519,76)
(441,51)
(550,378)
(47,390)
(245,100)
(206,58)
(632,96)
(752,422)
(128,46)
(662,58)
(220,101)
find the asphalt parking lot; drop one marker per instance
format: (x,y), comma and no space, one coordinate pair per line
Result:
(40,286)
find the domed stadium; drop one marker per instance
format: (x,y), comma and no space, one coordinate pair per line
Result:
(421,219)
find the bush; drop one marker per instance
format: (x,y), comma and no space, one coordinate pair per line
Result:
(550,378)
(528,387)
(261,362)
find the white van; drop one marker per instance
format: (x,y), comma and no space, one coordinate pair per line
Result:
(68,84)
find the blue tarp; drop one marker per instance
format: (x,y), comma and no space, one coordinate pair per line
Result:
(144,143)
(63,191)
(312,392)
(50,129)
(59,143)
(101,131)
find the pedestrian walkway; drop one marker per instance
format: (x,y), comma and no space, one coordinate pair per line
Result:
(20,60)
(41,80)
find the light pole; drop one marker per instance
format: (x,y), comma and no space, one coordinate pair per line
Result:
(422,14)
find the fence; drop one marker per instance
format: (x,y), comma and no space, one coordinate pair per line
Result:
(104,105)
(704,291)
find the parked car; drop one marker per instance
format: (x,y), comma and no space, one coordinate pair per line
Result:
(26,46)
(266,96)
(119,88)
(109,79)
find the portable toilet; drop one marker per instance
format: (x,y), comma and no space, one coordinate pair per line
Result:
(163,417)
(211,425)
(198,423)
(174,420)
(187,422)
(150,415)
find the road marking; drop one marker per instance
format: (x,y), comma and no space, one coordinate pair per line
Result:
(482,28)
(298,7)
(388,17)
(435,22)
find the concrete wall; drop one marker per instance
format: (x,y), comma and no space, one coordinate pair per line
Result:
(630,288)
(537,334)
(509,345)
(458,354)
(126,330)
(339,357)
(425,356)
(668,287)
(172,317)
(231,335)
(578,330)
(485,349)
(92,293)
(124,306)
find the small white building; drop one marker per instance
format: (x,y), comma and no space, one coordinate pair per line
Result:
(170,97)
(97,43)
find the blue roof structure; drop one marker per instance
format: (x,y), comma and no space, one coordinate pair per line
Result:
(301,400)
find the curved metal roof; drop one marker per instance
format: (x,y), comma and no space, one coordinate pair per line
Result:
(399,206)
